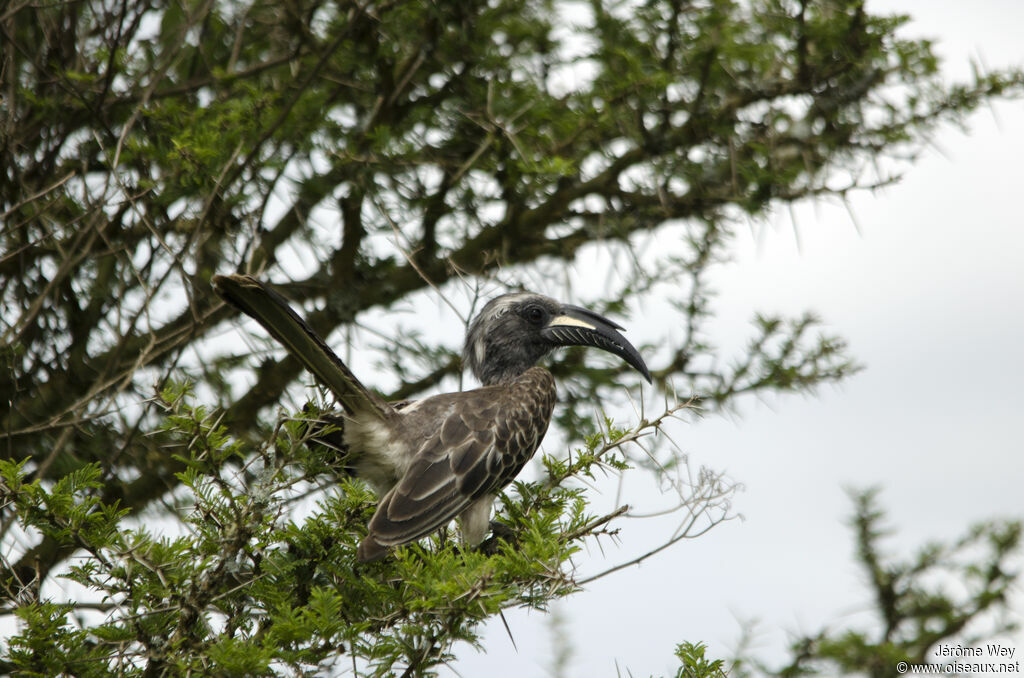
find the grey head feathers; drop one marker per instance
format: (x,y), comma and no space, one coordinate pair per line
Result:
(502,342)
(513,331)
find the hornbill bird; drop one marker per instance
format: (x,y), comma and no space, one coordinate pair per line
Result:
(447,455)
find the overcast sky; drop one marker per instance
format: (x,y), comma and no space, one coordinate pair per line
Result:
(928,288)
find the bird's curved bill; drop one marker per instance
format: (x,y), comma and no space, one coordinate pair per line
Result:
(576,326)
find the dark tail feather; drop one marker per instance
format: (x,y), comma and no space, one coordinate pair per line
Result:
(272,311)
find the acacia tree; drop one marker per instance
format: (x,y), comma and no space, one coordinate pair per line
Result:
(944,593)
(368,156)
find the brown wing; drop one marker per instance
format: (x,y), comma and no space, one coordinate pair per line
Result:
(485,439)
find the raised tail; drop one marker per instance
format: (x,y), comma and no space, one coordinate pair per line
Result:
(272,311)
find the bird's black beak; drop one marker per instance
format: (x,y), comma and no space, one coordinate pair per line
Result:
(575,326)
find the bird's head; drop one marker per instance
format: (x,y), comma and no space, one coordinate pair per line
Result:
(513,331)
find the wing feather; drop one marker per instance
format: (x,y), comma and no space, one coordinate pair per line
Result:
(483,439)
(463,456)
(433,492)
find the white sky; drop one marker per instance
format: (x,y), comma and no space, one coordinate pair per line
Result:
(930,295)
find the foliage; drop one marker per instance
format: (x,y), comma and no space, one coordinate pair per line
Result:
(249,588)
(693,664)
(368,156)
(954,594)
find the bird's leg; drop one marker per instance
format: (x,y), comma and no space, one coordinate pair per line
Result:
(500,532)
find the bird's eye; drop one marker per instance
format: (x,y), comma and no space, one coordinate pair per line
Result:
(535,314)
